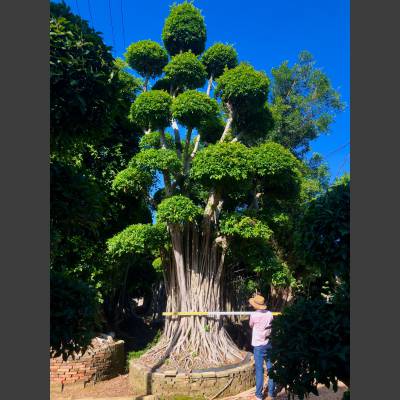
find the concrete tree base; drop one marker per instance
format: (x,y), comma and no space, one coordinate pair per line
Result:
(210,383)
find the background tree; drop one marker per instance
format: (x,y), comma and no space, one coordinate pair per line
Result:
(311,340)
(91,139)
(84,86)
(303,104)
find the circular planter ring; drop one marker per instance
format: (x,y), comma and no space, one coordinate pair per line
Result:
(211,382)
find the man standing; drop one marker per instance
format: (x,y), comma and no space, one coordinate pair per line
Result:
(260,321)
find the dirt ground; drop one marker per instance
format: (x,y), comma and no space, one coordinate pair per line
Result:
(118,387)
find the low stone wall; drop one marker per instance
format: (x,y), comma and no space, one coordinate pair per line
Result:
(220,383)
(95,364)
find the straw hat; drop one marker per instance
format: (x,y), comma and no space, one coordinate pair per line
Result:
(258,302)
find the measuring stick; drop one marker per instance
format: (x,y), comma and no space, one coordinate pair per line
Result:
(209,313)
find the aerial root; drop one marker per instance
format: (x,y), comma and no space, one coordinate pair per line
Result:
(196,349)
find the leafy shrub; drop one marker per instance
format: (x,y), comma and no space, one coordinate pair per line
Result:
(73,314)
(311,345)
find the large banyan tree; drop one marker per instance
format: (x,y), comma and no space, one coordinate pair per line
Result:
(207,170)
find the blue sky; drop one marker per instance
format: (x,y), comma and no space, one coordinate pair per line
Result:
(264,33)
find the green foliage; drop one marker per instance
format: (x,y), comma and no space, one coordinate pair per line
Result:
(163,83)
(316,178)
(218,57)
(84,83)
(323,236)
(253,124)
(146,57)
(243,87)
(304,103)
(222,164)
(158,265)
(211,129)
(73,314)
(191,108)
(185,71)
(152,109)
(157,160)
(137,239)
(184,29)
(152,140)
(278,168)
(133,181)
(311,346)
(245,227)
(88,147)
(77,207)
(130,86)
(178,210)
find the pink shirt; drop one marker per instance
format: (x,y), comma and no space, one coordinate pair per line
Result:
(260,321)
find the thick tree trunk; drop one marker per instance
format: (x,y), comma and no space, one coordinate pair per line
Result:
(193,283)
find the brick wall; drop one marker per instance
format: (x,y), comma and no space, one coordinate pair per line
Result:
(95,364)
(227,382)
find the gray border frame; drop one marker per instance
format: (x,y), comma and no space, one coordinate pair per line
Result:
(374,205)
(24,293)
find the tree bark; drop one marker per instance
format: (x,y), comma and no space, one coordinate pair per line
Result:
(210,81)
(228,123)
(193,283)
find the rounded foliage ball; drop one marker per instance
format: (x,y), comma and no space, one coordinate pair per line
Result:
(223,164)
(185,70)
(154,160)
(178,210)
(184,30)
(146,57)
(192,107)
(137,239)
(278,168)
(152,140)
(211,129)
(218,57)
(132,181)
(254,123)
(152,109)
(243,86)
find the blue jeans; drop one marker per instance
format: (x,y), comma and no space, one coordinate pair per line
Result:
(260,354)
